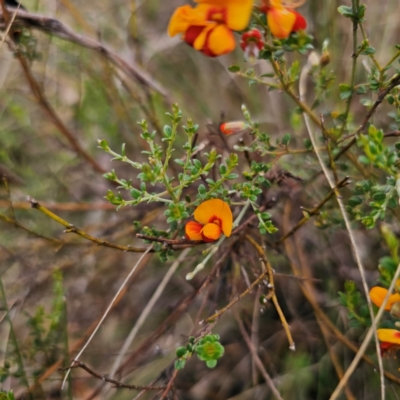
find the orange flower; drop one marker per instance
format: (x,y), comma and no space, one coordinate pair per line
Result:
(390,340)
(208,27)
(282,21)
(213,217)
(377,295)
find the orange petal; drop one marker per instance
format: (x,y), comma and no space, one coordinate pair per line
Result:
(193,230)
(215,209)
(201,41)
(183,18)
(220,40)
(281,21)
(377,295)
(211,232)
(238,12)
(389,335)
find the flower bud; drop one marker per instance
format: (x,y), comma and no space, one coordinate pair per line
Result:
(234,127)
(395,310)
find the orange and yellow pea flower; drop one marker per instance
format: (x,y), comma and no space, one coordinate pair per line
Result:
(377,295)
(208,27)
(213,217)
(282,20)
(389,340)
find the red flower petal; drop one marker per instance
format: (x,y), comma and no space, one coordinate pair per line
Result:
(300,23)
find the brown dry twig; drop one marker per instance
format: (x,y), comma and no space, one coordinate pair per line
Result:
(394,82)
(18,225)
(168,241)
(315,210)
(67,206)
(256,358)
(42,100)
(220,312)
(55,27)
(270,272)
(181,307)
(117,384)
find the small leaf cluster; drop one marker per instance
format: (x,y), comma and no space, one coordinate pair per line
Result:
(356,304)
(378,199)
(376,152)
(155,171)
(208,349)
(298,41)
(357,14)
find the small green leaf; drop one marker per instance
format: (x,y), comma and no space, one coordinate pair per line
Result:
(346,11)
(180,364)
(234,68)
(181,351)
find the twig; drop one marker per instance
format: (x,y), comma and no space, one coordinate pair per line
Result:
(48,109)
(256,359)
(107,310)
(392,134)
(104,378)
(394,82)
(255,325)
(57,28)
(18,225)
(315,210)
(170,383)
(67,206)
(307,289)
(267,272)
(168,241)
(220,312)
(41,98)
(80,232)
(145,313)
(302,90)
(365,343)
(9,23)
(172,318)
(269,269)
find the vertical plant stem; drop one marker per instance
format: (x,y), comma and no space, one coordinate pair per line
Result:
(302,87)
(66,347)
(76,358)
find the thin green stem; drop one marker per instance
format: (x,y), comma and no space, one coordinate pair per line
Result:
(371,56)
(353,68)
(392,60)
